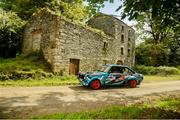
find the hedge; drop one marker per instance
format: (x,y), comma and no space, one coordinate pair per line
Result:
(161,70)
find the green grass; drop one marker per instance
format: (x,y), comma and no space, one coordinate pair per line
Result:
(52,81)
(32,67)
(168,104)
(28,63)
(32,70)
(29,71)
(169,108)
(157,78)
(72,80)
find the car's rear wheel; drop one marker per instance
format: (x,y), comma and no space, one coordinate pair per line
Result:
(95,84)
(132,83)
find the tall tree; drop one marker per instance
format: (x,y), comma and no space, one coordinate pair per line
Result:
(10,34)
(162,16)
(72,9)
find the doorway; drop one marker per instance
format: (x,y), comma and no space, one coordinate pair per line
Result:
(74,66)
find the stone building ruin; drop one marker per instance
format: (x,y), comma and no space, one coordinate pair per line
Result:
(70,47)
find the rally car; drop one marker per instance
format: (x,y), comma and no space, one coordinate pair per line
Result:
(111,75)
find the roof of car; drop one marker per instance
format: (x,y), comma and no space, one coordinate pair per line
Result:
(115,65)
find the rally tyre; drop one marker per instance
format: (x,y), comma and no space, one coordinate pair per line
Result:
(132,83)
(95,84)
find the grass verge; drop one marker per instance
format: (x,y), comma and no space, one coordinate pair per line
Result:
(166,109)
(32,70)
(52,81)
(72,80)
(24,67)
(157,78)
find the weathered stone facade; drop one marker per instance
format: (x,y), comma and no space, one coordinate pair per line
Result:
(70,47)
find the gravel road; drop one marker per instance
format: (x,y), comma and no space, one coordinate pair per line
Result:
(23,102)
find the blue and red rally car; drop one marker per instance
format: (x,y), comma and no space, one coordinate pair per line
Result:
(111,75)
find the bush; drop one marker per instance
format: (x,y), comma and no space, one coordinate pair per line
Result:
(162,70)
(29,67)
(152,55)
(178,67)
(168,70)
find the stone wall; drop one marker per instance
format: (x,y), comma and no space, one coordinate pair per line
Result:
(116,28)
(78,42)
(40,35)
(104,23)
(61,40)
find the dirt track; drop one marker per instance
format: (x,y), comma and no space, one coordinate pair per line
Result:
(23,102)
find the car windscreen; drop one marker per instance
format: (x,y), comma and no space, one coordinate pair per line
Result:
(104,68)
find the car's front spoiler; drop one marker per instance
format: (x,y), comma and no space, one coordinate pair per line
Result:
(82,82)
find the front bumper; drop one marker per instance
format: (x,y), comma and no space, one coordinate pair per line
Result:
(83,82)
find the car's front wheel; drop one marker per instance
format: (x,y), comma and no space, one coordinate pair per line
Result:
(132,83)
(95,84)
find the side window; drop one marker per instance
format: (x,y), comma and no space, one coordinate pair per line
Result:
(128,71)
(116,69)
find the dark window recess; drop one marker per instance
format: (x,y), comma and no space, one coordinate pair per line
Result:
(122,51)
(80,42)
(122,38)
(129,44)
(63,50)
(129,39)
(129,33)
(129,52)
(122,29)
(105,46)
(105,62)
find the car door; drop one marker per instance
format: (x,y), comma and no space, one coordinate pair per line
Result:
(115,75)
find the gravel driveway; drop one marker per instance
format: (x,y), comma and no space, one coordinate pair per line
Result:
(23,102)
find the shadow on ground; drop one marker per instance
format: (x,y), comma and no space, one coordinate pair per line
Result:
(49,103)
(80,88)
(54,102)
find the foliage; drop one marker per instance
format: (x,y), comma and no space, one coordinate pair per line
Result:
(32,67)
(174,45)
(30,70)
(161,16)
(41,81)
(160,78)
(95,5)
(15,11)
(160,109)
(161,70)
(166,53)
(178,67)
(24,8)
(159,20)
(10,34)
(72,9)
(152,54)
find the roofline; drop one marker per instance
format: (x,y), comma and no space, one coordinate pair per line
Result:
(116,65)
(100,13)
